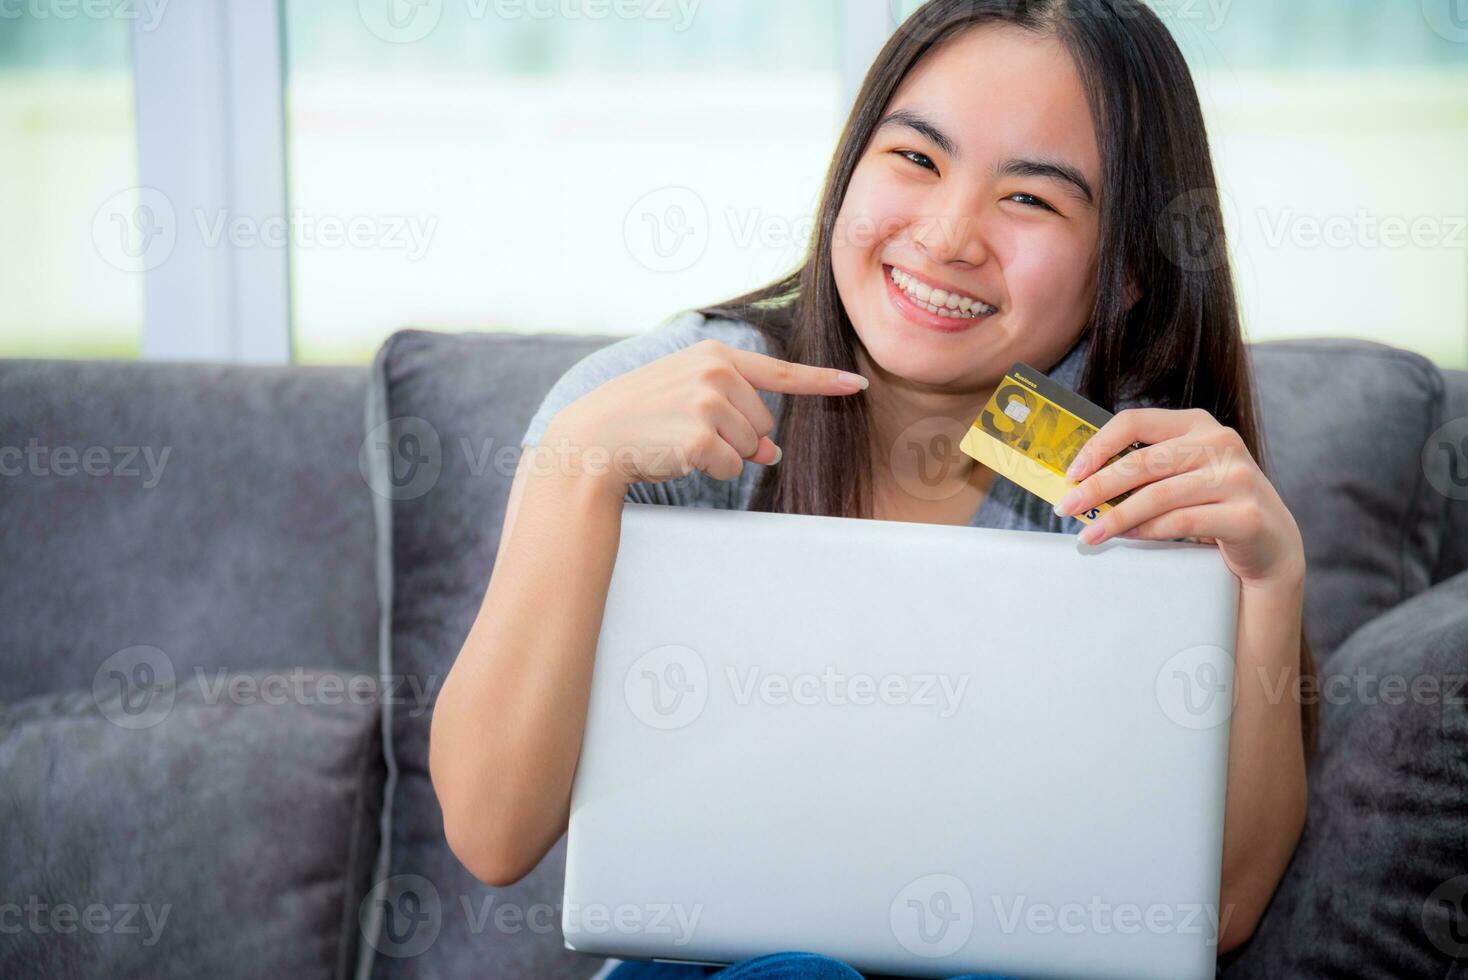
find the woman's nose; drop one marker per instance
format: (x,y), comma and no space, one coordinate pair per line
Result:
(952,237)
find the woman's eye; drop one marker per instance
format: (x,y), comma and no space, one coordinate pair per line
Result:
(1030,200)
(921,159)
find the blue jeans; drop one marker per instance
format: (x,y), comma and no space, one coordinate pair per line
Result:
(776,966)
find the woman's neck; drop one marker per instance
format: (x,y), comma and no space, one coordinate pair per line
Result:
(918,471)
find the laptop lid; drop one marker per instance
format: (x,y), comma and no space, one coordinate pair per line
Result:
(922,749)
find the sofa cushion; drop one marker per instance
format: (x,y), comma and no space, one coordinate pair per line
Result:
(1377,885)
(1346,420)
(1345,424)
(446,416)
(1449,451)
(215,512)
(223,826)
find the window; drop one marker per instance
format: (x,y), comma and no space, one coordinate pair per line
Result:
(1340,135)
(68,186)
(1339,131)
(526,165)
(598,165)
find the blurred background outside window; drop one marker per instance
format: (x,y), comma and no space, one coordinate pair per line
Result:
(66,145)
(594,166)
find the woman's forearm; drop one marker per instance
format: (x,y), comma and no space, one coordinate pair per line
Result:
(1266,806)
(508,724)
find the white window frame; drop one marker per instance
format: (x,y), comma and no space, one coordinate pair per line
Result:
(210,88)
(209,82)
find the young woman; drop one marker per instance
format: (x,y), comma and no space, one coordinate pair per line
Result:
(1017,181)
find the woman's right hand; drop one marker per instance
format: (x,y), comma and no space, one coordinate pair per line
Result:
(697,408)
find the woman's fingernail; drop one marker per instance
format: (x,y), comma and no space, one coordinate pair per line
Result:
(855,380)
(778,453)
(1068,503)
(1092,533)
(1074,471)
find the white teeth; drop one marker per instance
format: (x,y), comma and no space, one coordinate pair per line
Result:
(945,304)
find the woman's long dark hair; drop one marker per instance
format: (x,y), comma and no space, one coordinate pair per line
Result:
(1181,345)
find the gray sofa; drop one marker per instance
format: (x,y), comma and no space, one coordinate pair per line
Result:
(229,594)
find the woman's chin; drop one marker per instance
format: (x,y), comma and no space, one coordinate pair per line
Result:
(926,367)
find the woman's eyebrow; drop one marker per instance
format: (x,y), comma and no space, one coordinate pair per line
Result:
(1050,170)
(1047,169)
(920,123)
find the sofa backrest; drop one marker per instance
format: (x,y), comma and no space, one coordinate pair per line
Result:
(1347,430)
(451,408)
(215,513)
(221,515)
(1345,424)
(1454,443)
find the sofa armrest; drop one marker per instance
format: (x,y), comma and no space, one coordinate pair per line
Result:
(223,825)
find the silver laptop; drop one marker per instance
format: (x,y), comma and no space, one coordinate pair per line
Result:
(924,750)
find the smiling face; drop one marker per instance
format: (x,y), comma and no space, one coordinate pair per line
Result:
(982,183)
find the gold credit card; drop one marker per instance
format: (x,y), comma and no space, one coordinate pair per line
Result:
(1032,430)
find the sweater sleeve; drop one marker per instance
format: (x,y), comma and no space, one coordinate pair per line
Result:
(696,489)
